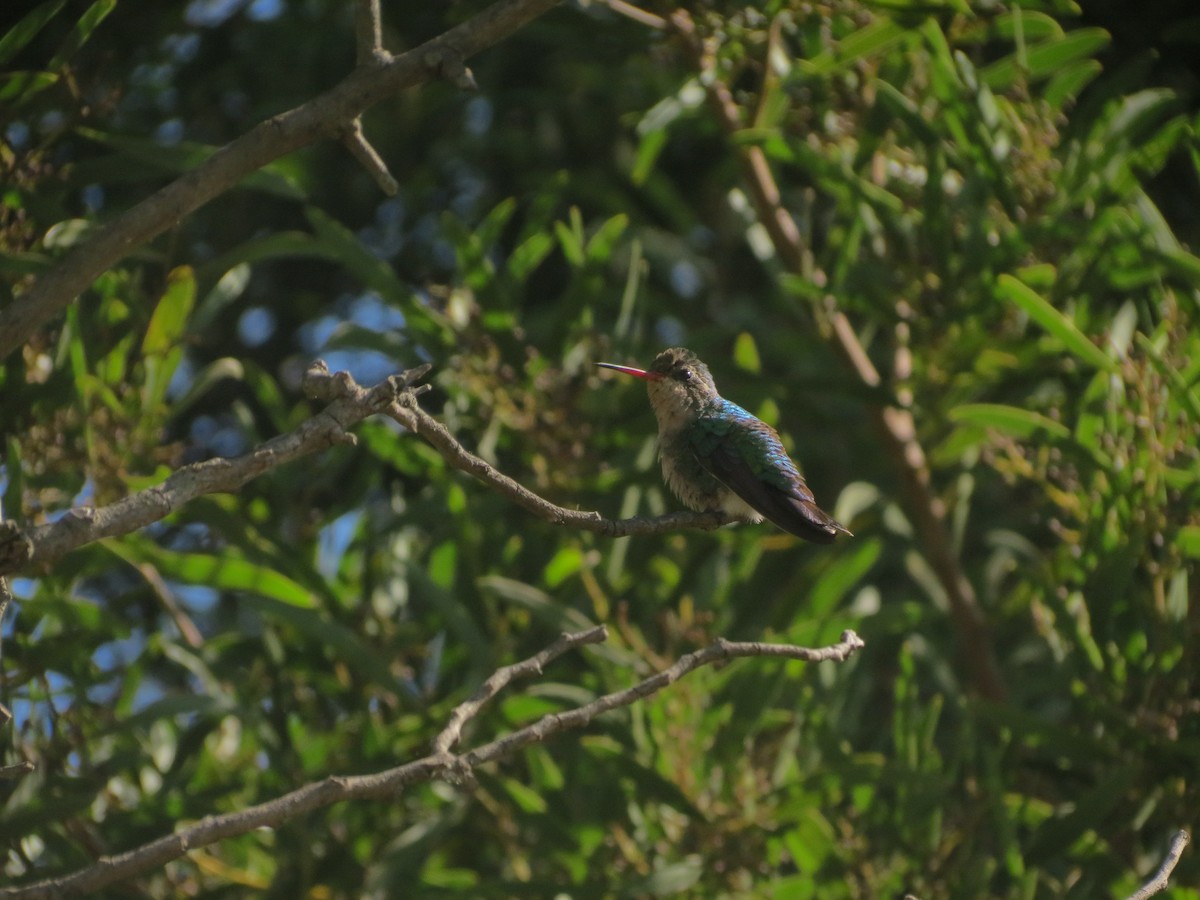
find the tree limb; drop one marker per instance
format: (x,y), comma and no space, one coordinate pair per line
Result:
(440,764)
(325,115)
(349,404)
(435,433)
(501,678)
(43,544)
(1159,882)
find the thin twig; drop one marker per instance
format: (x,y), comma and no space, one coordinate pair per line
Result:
(358,145)
(16,770)
(1159,882)
(720,651)
(389,783)
(187,628)
(637,14)
(368,33)
(5,590)
(417,420)
(45,543)
(501,678)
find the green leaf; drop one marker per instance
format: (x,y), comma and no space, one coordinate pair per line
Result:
(341,642)
(868,41)
(225,572)
(529,254)
(88,22)
(565,563)
(490,229)
(670,879)
(901,107)
(162,348)
(219,370)
(1026,25)
(527,799)
(1181,390)
(1188,541)
(600,245)
(745,353)
(569,241)
(349,251)
(1012,420)
(1040,310)
(169,321)
(649,148)
(27,28)
(157,158)
(15,85)
(228,288)
(1065,86)
(1046,59)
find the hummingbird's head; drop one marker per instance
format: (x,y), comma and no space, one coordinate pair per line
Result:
(676,381)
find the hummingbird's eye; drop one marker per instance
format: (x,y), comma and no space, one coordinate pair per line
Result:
(685,374)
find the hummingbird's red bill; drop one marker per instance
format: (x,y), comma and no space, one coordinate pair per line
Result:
(630,370)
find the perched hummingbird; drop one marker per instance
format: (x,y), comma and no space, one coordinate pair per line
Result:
(718,457)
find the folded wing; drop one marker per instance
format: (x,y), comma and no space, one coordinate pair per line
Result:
(750,460)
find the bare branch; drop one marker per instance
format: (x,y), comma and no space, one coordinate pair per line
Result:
(501,678)
(5,592)
(1159,882)
(443,764)
(321,117)
(356,142)
(187,628)
(637,14)
(368,33)
(894,423)
(349,404)
(16,770)
(415,419)
(45,543)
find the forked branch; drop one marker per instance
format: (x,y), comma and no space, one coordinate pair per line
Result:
(441,764)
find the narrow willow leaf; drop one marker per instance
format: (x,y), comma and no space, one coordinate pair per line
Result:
(26,30)
(220,572)
(170,316)
(1046,59)
(15,85)
(88,22)
(868,41)
(1010,419)
(1040,310)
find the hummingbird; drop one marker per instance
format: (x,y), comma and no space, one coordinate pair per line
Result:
(717,457)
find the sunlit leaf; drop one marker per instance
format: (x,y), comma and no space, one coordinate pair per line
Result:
(1046,58)
(225,572)
(1012,420)
(867,41)
(16,85)
(1054,322)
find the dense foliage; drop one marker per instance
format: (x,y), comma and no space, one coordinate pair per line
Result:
(1000,203)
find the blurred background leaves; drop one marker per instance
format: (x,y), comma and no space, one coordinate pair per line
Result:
(1003,194)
